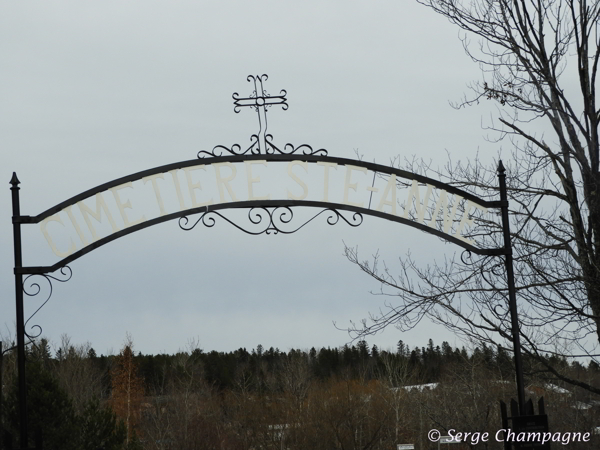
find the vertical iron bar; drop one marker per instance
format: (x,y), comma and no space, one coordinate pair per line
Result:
(16,211)
(512,297)
(1,397)
(504,416)
(371,189)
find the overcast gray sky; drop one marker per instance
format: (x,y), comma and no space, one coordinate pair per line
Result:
(92,91)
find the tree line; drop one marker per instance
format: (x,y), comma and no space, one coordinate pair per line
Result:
(351,397)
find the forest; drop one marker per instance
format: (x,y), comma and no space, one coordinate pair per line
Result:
(352,397)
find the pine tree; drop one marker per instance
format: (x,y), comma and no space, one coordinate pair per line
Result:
(49,408)
(100,428)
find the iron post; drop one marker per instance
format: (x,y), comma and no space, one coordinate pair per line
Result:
(1,397)
(16,214)
(512,296)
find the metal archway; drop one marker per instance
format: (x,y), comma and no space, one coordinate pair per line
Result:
(450,217)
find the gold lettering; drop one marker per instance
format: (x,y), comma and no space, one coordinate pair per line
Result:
(301,183)
(159,200)
(251,180)
(192,186)
(326,165)
(76,225)
(123,206)
(224,182)
(57,252)
(442,207)
(390,187)
(353,186)
(414,194)
(466,220)
(100,206)
(178,188)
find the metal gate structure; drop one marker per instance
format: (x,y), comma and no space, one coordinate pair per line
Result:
(450,220)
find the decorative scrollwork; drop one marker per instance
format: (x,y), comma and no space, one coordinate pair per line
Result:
(261,142)
(498,268)
(33,288)
(254,149)
(289,149)
(501,310)
(335,216)
(219,150)
(270,220)
(466,257)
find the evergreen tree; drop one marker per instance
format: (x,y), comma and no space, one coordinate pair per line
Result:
(375,352)
(363,350)
(402,349)
(100,428)
(49,410)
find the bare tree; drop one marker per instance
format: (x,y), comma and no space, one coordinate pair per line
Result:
(348,414)
(394,376)
(294,376)
(77,374)
(539,61)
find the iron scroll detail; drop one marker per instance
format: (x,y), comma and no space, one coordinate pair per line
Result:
(33,288)
(262,142)
(254,149)
(270,220)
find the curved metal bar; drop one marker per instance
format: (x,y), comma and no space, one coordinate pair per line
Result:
(32,289)
(314,157)
(251,204)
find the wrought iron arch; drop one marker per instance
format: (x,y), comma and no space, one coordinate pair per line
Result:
(264,216)
(252,205)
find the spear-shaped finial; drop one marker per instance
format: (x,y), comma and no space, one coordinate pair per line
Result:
(501,168)
(14,180)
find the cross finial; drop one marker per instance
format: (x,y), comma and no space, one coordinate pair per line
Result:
(262,142)
(260,100)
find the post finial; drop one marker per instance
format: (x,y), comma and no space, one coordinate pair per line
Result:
(14,180)
(501,168)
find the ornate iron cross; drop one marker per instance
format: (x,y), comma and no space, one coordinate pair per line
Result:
(260,100)
(262,142)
